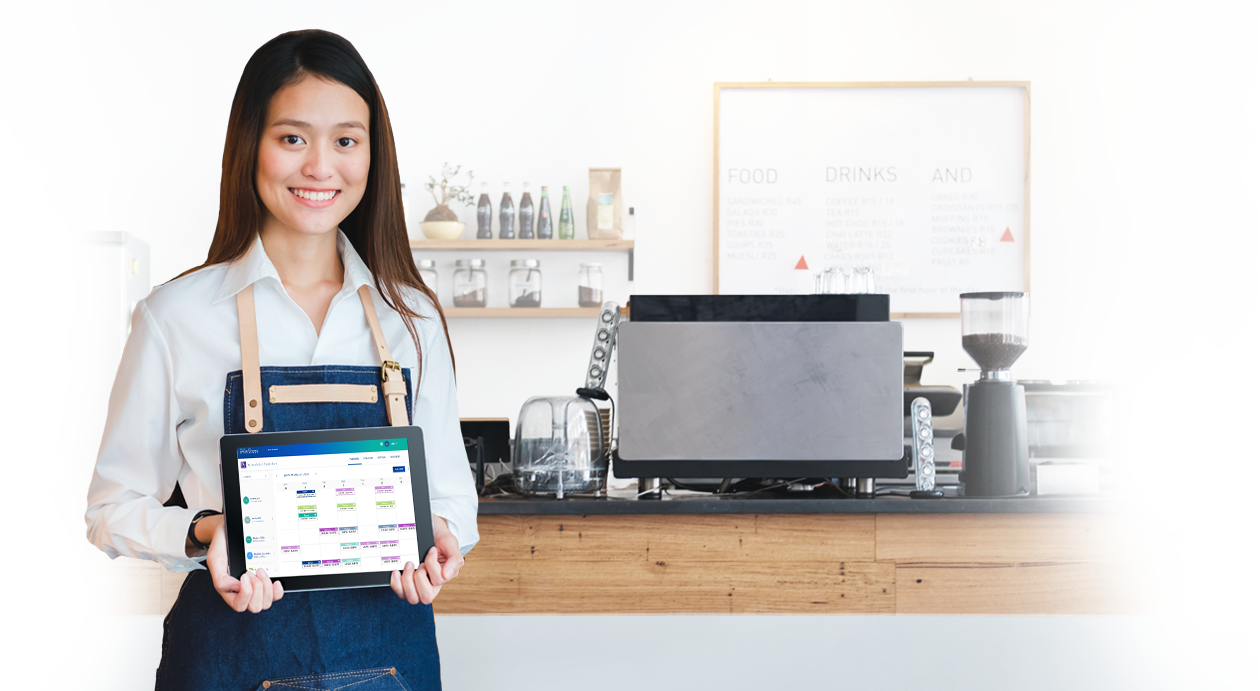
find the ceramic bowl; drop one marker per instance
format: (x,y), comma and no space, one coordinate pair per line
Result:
(442,230)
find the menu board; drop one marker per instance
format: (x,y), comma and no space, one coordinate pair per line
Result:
(926,184)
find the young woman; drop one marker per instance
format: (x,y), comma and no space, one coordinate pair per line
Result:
(310,248)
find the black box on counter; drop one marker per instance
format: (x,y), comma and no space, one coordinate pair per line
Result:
(759,308)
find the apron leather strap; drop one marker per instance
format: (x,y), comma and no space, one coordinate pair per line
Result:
(249,359)
(392,383)
(393,386)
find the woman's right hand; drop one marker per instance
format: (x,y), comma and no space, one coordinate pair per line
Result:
(254,591)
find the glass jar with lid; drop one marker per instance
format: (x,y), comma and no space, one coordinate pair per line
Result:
(525,283)
(591,285)
(470,283)
(428,272)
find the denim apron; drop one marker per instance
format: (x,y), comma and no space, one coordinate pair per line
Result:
(365,639)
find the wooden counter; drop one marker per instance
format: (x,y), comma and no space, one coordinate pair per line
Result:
(909,564)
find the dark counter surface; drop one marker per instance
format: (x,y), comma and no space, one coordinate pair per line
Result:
(621,503)
(682,502)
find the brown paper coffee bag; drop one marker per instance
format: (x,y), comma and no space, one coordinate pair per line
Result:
(604,204)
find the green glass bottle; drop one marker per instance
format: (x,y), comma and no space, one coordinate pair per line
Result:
(565,229)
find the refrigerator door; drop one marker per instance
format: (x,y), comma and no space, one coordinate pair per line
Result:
(111,275)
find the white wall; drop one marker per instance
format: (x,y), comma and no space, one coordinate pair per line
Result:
(1144,242)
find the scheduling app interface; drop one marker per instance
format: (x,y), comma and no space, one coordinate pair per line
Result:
(331,508)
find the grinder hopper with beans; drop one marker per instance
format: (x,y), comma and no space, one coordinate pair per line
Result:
(995,455)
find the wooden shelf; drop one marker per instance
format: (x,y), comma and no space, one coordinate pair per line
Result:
(524,313)
(496,245)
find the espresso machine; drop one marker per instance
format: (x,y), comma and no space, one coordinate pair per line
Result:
(995,452)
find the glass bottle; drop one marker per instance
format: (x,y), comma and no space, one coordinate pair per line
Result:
(565,231)
(485,213)
(428,273)
(507,213)
(525,283)
(591,285)
(470,283)
(544,216)
(526,231)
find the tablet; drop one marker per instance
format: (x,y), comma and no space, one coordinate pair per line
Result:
(328,508)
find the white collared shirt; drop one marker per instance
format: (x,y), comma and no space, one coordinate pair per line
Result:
(166,408)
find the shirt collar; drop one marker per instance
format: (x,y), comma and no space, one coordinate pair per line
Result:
(357,273)
(255,265)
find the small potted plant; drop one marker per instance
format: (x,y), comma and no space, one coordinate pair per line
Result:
(441,223)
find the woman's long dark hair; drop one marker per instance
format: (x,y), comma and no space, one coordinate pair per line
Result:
(375,227)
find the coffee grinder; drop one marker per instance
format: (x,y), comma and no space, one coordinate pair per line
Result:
(995,452)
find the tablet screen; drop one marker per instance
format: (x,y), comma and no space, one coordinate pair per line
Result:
(328,508)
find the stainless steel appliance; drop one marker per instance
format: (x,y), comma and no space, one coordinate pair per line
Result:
(1082,420)
(111,275)
(703,399)
(995,455)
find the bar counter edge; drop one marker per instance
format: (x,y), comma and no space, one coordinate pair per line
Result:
(522,506)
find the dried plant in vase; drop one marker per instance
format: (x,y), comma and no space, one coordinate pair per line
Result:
(441,223)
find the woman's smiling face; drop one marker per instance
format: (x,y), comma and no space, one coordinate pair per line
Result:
(314,157)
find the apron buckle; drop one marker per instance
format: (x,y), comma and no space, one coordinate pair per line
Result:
(390,366)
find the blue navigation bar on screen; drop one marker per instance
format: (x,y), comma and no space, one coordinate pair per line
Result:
(336,447)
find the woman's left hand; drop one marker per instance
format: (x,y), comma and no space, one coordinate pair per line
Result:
(442,563)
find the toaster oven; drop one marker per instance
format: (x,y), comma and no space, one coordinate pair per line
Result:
(1090,420)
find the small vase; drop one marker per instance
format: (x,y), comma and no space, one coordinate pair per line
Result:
(442,230)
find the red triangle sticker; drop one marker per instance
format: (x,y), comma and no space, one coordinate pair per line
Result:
(1007,237)
(802,266)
